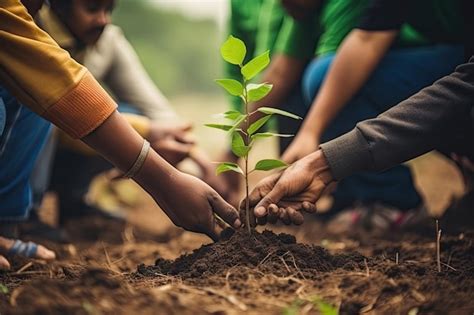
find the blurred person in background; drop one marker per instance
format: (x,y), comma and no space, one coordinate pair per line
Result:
(294,35)
(37,77)
(397,49)
(424,44)
(84,29)
(297,32)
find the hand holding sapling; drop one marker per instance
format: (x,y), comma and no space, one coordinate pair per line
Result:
(296,188)
(243,133)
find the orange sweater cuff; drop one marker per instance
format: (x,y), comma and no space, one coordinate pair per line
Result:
(82,109)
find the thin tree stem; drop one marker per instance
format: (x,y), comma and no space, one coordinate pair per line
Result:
(247,205)
(248,215)
(438,246)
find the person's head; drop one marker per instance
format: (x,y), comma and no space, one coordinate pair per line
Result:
(301,9)
(86,19)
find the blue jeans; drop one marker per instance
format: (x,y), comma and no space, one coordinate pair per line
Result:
(22,134)
(401,73)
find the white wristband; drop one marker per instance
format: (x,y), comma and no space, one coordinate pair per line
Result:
(139,161)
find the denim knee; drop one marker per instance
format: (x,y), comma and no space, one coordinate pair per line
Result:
(314,76)
(3,116)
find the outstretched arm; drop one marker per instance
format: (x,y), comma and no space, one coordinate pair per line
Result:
(438,117)
(356,59)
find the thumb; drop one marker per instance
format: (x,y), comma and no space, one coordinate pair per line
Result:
(273,197)
(186,126)
(224,210)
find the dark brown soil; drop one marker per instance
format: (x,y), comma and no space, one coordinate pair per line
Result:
(266,273)
(266,251)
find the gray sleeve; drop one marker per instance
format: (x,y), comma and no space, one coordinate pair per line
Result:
(130,83)
(434,118)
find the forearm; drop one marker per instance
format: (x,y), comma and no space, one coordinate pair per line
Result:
(284,73)
(356,59)
(120,144)
(430,119)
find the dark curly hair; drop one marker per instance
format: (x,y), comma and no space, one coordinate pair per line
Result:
(61,7)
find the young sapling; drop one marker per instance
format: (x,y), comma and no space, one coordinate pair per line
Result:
(242,130)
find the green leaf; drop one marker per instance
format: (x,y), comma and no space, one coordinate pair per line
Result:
(271,110)
(233,50)
(227,166)
(219,126)
(3,289)
(238,145)
(266,165)
(326,308)
(233,114)
(256,92)
(234,87)
(269,134)
(293,308)
(258,124)
(237,123)
(256,65)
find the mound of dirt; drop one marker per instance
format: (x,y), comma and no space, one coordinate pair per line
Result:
(268,252)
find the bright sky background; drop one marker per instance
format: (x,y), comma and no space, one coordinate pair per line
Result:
(215,9)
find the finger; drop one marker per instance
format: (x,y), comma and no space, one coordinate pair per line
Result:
(260,212)
(262,188)
(273,209)
(309,207)
(273,213)
(274,196)
(186,127)
(179,148)
(174,152)
(295,216)
(284,216)
(225,210)
(4,264)
(185,138)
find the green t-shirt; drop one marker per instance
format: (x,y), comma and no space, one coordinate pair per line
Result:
(323,32)
(257,23)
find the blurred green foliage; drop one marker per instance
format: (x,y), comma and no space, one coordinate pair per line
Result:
(181,55)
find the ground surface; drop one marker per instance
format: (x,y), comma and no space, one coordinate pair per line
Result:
(130,268)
